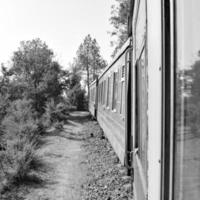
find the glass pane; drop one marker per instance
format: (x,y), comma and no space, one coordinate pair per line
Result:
(122,110)
(142,107)
(114,90)
(140,26)
(187,138)
(108,92)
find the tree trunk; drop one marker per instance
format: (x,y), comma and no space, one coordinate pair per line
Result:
(88,77)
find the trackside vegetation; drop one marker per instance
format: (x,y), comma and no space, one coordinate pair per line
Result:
(31,101)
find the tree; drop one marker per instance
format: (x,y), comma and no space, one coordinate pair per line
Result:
(89,59)
(35,74)
(188,95)
(119,20)
(75,93)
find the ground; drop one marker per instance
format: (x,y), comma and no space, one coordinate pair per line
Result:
(80,165)
(63,153)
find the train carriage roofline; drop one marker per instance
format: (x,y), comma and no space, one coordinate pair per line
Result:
(117,56)
(93,82)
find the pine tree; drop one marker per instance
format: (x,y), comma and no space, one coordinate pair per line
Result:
(89,59)
(119,21)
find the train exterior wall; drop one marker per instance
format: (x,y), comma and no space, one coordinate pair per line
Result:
(155,98)
(111,104)
(147,106)
(93,98)
(114,130)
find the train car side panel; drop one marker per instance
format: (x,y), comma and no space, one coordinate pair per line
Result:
(154,43)
(93,98)
(111,104)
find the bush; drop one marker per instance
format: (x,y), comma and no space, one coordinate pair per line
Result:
(55,113)
(20,134)
(77,98)
(3,106)
(19,160)
(19,120)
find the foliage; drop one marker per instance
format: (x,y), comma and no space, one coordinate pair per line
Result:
(77,97)
(4,103)
(188,83)
(119,21)
(89,58)
(32,81)
(74,80)
(4,97)
(19,160)
(35,75)
(55,113)
(19,120)
(20,133)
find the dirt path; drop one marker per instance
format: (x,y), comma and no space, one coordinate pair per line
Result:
(66,161)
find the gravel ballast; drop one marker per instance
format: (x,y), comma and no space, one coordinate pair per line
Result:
(107,178)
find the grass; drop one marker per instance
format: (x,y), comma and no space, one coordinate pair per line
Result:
(19,160)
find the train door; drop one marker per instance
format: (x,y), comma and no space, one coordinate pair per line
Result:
(147,105)
(182,144)
(141,137)
(140,161)
(96,99)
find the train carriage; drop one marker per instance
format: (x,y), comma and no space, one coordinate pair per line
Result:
(111,101)
(165,81)
(148,100)
(93,98)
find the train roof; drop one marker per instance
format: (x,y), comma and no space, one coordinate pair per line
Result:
(117,56)
(93,82)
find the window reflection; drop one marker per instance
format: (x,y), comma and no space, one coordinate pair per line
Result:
(142,104)
(187,138)
(140,27)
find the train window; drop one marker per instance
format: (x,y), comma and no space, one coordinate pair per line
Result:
(122,101)
(123,71)
(108,92)
(115,87)
(187,115)
(104,99)
(101,92)
(122,91)
(119,91)
(103,96)
(93,94)
(111,91)
(140,27)
(141,109)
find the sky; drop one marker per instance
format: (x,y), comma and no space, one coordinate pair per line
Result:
(62,24)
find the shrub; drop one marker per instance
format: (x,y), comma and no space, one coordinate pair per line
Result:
(19,120)
(19,160)
(77,98)
(55,113)
(4,103)
(20,134)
